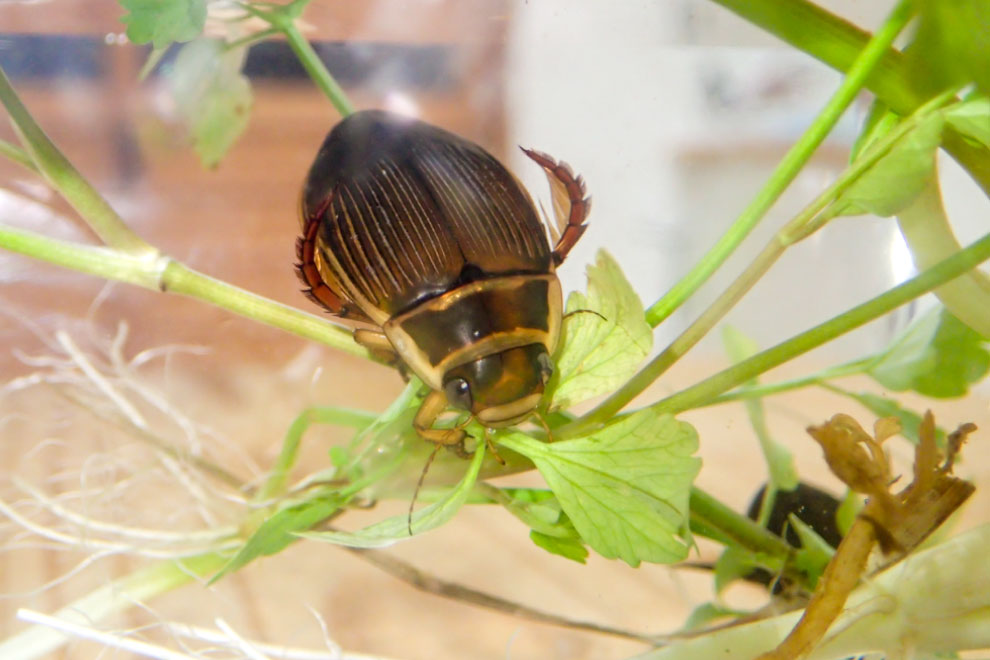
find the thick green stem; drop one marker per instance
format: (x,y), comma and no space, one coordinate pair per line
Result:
(118,596)
(64,177)
(707,513)
(838,43)
(161,273)
(788,168)
(702,393)
(810,219)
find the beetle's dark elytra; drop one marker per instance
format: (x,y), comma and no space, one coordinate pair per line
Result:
(410,209)
(429,239)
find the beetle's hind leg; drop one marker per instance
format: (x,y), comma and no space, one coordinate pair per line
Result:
(570,203)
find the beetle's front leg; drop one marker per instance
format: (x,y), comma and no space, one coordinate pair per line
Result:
(433,405)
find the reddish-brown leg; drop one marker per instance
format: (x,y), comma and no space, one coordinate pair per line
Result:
(319,290)
(570,203)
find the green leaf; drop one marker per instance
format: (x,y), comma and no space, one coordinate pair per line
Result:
(213,97)
(814,553)
(625,488)
(601,350)
(879,122)
(541,511)
(896,179)
(780,462)
(883,407)
(396,528)
(938,356)
(951,47)
(737,562)
(161,22)
(569,548)
(280,529)
(972,119)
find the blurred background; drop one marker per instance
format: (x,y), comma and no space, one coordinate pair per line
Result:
(675,113)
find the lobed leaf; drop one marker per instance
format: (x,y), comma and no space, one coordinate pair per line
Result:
(569,548)
(605,338)
(396,528)
(625,488)
(280,529)
(162,22)
(938,356)
(213,96)
(972,119)
(896,179)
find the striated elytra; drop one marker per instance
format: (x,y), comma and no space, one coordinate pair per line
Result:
(437,248)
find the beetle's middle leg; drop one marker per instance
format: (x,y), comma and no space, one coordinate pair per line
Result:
(432,407)
(381,348)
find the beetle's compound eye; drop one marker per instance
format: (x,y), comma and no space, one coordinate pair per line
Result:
(458,393)
(546,367)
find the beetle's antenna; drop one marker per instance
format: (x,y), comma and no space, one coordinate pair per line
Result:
(419,484)
(584,311)
(491,446)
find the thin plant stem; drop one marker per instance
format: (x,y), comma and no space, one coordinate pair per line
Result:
(64,178)
(946,270)
(160,273)
(275,484)
(809,220)
(789,167)
(837,43)
(434,585)
(283,19)
(761,391)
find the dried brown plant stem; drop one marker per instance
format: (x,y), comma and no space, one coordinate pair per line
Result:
(840,578)
(898,522)
(437,586)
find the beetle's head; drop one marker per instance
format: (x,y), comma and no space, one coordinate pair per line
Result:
(503,388)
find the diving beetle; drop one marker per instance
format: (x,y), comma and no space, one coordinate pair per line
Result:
(431,241)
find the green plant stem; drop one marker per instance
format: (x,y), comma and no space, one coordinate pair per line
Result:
(275,484)
(702,393)
(760,391)
(708,513)
(788,168)
(118,596)
(809,220)
(283,20)
(838,43)
(64,178)
(249,39)
(161,273)
(18,155)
